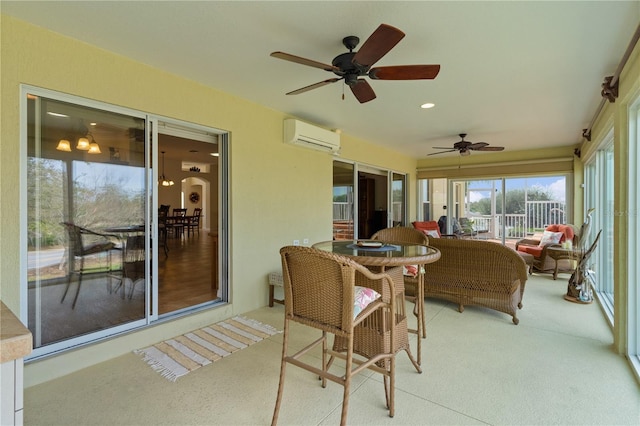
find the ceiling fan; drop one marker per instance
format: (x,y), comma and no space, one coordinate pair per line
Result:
(351,65)
(465,147)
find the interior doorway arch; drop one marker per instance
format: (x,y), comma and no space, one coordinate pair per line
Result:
(196,194)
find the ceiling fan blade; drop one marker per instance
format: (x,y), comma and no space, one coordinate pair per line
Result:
(314,86)
(477,145)
(363,91)
(405,72)
(491,148)
(443,147)
(442,152)
(377,45)
(305,61)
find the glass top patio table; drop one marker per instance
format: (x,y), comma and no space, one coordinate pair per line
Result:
(390,254)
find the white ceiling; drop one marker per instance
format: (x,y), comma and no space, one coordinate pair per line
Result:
(516,74)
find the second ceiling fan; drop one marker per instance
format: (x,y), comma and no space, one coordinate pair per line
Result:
(465,147)
(350,66)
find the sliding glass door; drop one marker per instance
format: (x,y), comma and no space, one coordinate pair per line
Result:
(99,258)
(187,208)
(86,207)
(504,210)
(366,199)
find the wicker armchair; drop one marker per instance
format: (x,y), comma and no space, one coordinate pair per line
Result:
(475,272)
(409,235)
(319,292)
(543,261)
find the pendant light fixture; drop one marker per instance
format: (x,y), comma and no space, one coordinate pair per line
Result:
(163,180)
(84,143)
(64,145)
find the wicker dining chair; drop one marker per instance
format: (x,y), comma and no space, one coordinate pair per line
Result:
(320,292)
(406,235)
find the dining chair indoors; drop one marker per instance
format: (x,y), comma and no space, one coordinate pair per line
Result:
(84,243)
(179,221)
(164,227)
(193,222)
(320,292)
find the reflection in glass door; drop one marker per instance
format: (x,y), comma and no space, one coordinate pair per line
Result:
(86,234)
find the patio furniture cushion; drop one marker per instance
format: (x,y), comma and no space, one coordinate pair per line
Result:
(362,297)
(566,230)
(536,251)
(429,228)
(549,237)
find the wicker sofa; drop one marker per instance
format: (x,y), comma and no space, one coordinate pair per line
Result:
(474,272)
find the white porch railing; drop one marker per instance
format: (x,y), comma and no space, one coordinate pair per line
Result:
(539,214)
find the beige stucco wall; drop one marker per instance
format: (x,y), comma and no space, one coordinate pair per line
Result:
(278,192)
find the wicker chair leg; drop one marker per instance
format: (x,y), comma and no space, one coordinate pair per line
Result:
(461,308)
(283,363)
(515,320)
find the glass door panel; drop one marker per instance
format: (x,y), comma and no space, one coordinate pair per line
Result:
(86,234)
(187,198)
(343,201)
(398,199)
(507,209)
(373,200)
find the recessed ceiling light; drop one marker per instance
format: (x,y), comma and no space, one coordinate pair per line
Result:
(57,114)
(427,105)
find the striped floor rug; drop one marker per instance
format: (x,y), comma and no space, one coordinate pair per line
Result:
(181,355)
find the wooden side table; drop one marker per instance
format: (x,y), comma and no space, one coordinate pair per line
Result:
(559,253)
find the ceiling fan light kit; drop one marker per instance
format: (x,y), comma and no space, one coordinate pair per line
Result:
(350,66)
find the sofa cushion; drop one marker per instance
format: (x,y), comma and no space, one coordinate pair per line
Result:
(536,251)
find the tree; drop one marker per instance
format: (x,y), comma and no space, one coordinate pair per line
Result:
(515,202)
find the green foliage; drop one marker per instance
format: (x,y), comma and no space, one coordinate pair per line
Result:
(515,201)
(95,205)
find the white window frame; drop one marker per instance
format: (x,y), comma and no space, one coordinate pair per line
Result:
(633,244)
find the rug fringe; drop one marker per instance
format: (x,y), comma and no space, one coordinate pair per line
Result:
(172,369)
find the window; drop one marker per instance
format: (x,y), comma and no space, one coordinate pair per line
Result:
(599,193)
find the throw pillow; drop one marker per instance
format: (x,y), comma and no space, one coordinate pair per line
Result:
(549,237)
(410,270)
(362,296)
(431,233)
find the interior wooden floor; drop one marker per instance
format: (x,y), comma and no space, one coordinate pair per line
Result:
(185,275)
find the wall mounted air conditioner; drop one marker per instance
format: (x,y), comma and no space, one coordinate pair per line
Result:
(299,133)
